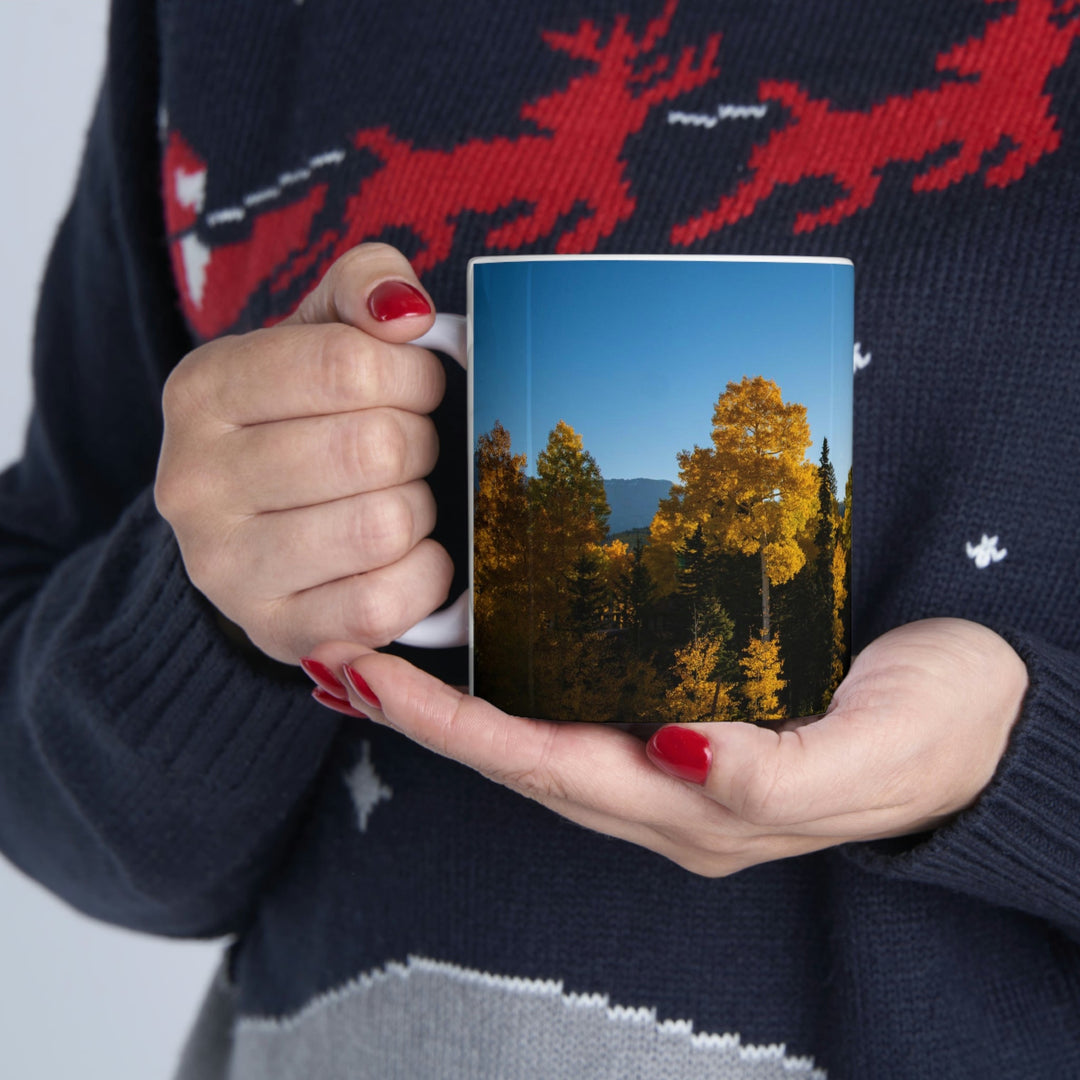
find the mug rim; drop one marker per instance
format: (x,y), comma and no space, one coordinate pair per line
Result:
(835,260)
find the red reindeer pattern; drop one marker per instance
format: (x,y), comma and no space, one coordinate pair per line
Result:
(998,99)
(576,161)
(568,180)
(573,165)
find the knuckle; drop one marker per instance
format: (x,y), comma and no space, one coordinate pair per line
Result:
(178,492)
(380,249)
(762,793)
(443,739)
(423,511)
(537,779)
(375,612)
(180,384)
(439,568)
(348,263)
(187,486)
(168,493)
(383,530)
(383,448)
(174,392)
(343,453)
(373,256)
(344,364)
(378,607)
(366,452)
(191,386)
(372,251)
(425,380)
(427,440)
(187,480)
(757,802)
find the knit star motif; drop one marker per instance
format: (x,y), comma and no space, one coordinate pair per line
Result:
(986,551)
(366,787)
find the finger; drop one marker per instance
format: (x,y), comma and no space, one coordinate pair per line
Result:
(796,779)
(371,609)
(301,371)
(297,550)
(373,288)
(591,767)
(299,463)
(326,667)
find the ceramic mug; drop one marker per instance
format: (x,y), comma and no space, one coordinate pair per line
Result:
(661,502)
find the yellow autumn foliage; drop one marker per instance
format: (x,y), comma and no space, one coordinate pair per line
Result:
(763,486)
(697,696)
(753,491)
(500,519)
(763,668)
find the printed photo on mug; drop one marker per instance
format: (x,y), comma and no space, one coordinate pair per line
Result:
(661,502)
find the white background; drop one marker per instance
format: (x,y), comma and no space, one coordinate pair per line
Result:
(77,999)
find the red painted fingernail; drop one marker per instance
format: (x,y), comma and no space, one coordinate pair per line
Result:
(360,686)
(331,702)
(322,676)
(681,752)
(396,299)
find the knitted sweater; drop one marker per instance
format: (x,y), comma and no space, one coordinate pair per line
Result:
(393,913)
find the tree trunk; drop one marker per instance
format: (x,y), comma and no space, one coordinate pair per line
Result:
(764,598)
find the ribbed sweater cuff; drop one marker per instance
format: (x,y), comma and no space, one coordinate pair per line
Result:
(169,684)
(163,769)
(1018,846)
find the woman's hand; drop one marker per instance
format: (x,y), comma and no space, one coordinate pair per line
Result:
(292,465)
(912,736)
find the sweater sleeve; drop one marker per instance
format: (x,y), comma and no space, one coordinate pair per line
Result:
(150,773)
(1018,846)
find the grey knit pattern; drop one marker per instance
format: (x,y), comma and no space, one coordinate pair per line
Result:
(428,1019)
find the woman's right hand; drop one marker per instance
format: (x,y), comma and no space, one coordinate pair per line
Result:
(293,459)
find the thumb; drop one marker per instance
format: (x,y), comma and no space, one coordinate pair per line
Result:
(765,777)
(372,287)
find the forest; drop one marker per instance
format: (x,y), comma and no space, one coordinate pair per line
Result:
(733,605)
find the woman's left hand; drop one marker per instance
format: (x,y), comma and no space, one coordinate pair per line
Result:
(912,736)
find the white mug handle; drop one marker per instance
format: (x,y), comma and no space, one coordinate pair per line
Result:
(449,627)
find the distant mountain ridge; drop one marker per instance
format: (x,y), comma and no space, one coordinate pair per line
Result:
(633,502)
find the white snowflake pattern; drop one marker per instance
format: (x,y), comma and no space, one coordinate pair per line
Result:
(861,359)
(986,551)
(366,787)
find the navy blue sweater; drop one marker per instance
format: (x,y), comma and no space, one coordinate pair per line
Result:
(393,913)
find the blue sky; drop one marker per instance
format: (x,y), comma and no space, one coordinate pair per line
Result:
(634,354)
